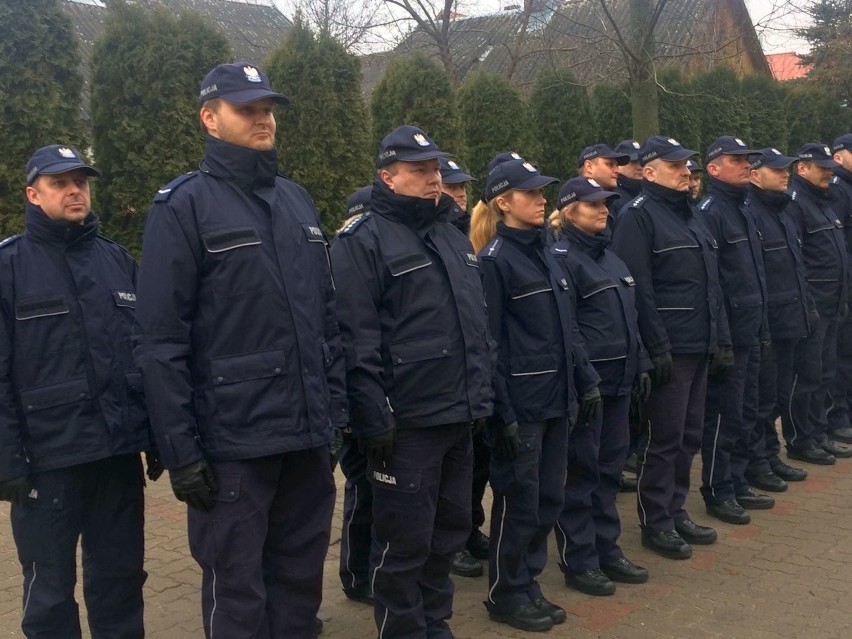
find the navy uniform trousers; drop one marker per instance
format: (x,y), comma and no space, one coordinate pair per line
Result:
(262,546)
(775,388)
(421,519)
(588,527)
(841,388)
(528,496)
(674,420)
(730,419)
(481,462)
(356,536)
(101,504)
(815,365)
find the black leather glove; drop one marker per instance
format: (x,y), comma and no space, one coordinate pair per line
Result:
(378,448)
(662,372)
(477,425)
(721,363)
(813,321)
(195,484)
(642,387)
(334,448)
(506,440)
(590,405)
(153,465)
(16,490)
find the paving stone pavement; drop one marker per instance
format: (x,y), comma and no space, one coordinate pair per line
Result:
(786,575)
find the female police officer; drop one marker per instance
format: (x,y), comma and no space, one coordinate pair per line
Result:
(588,527)
(530,317)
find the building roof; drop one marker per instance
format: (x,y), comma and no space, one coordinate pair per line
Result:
(787,66)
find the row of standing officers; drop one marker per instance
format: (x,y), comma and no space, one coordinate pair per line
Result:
(248,342)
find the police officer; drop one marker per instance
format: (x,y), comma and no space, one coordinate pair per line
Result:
(588,528)
(243,368)
(841,391)
(791,313)
(414,329)
(454,183)
(601,163)
(73,411)
(673,260)
(629,179)
(695,177)
(730,415)
(826,265)
(530,317)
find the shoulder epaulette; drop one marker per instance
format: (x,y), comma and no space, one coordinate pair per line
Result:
(793,195)
(11,240)
(638,202)
(491,249)
(113,242)
(353,223)
(165,193)
(704,204)
(835,179)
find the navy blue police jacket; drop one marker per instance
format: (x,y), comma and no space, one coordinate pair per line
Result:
(820,227)
(69,390)
(541,363)
(412,317)
(741,272)
(787,291)
(236,331)
(673,259)
(841,188)
(627,189)
(606,308)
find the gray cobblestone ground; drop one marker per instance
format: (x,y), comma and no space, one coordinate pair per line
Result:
(788,574)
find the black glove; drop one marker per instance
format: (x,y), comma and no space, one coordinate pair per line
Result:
(153,465)
(506,440)
(16,490)
(721,363)
(195,484)
(642,387)
(662,372)
(477,425)
(765,349)
(378,448)
(813,321)
(590,405)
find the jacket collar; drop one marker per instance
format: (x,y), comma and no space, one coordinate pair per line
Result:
(799,184)
(248,168)
(592,245)
(415,212)
(633,187)
(771,199)
(720,189)
(676,200)
(60,232)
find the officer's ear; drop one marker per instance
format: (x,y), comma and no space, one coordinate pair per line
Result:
(649,172)
(503,202)
(713,169)
(32,194)
(387,175)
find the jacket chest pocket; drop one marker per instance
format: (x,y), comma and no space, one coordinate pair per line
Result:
(593,288)
(523,290)
(405,264)
(663,245)
(236,261)
(44,325)
(774,245)
(815,223)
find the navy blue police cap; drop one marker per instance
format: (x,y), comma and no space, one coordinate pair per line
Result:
(451,173)
(601,151)
(629,148)
(842,143)
(582,189)
(659,147)
(505,156)
(407,144)
(694,167)
(359,201)
(818,153)
(771,158)
(238,83)
(728,145)
(55,159)
(517,175)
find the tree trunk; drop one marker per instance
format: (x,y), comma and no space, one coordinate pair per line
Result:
(643,85)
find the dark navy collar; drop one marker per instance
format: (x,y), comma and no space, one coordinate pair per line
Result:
(593,245)
(248,168)
(771,199)
(60,232)
(631,186)
(676,200)
(416,212)
(723,190)
(529,238)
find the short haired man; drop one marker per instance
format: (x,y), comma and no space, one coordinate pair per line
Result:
(600,163)
(672,258)
(73,411)
(412,318)
(695,176)
(240,350)
(629,179)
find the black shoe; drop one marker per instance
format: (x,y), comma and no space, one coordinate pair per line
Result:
(785,471)
(694,534)
(631,465)
(592,582)
(528,617)
(625,571)
(843,435)
(667,544)
(628,484)
(477,544)
(728,511)
(362,595)
(557,615)
(465,565)
(767,481)
(753,501)
(811,455)
(840,452)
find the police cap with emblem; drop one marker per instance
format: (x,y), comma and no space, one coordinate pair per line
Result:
(238,83)
(818,153)
(517,175)
(359,201)
(451,173)
(407,144)
(659,147)
(694,167)
(582,189)
(842,143)
(55,159)
(771,158)
(629,148)
(728,145)
(601,151)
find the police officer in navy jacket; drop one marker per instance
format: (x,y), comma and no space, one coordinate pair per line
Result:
(413,324)
(672,257)
(242,364)
(588,528)
(791,314)
(73,411)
